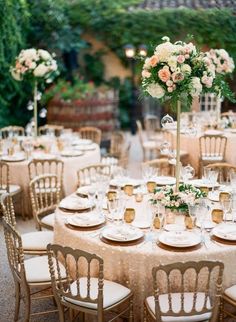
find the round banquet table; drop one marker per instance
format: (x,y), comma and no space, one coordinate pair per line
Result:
(132,265)
(19,173)
(190,144)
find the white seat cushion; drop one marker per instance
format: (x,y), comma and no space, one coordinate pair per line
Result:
(231,292)
(150,145)
(48,220)
(212,158)
(13,189)
(112,292)
(37,240)
(37,269)
(176,304)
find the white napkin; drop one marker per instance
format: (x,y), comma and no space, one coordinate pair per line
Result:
(75,203)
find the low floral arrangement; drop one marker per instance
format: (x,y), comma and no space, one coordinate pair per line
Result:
(179,71)
(34,63)
(169,198)
(68,91)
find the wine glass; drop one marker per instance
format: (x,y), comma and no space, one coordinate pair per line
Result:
(226,206)
(28,147)
(233,180)
(213,176)
(188,173)
(193,212)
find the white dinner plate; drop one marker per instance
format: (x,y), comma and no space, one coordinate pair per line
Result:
(13,158)
(43,156)
(213,196)
(82,142)
(71,153)
(122,233)
(207,224)
(141,224)
(201,183)
(225,231)
(180,239)
(165,180)
(86,220)
(213,132)
(174,227)
(74,203)
(121,182)
(88,147)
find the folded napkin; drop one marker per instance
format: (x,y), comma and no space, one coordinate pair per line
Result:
(121,234)
(75,203)
(84,220)
(179,240)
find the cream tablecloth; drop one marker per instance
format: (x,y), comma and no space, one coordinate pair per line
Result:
(191,145)
(19,173)
(132,265)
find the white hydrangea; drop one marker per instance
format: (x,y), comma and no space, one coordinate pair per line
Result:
(185,68)
(165,50)
(44,54)
(196,87)
(155,90)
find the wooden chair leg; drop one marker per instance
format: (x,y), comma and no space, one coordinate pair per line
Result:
(17,301)
(27,307)
(131,310)
(144,313)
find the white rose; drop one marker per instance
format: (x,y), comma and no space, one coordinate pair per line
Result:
(172,62)
(40,70)
(44,54)
(196,87)
(15,74)
(164,51)
(155,90)
(147,63)
(53,65)
(185,68)
(32,65)
(30,54)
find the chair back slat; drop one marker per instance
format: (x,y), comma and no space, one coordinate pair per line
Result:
(212,146)
(13,129)
(45,191)
(50,129)
(4,177)
(7,207)
(224,170)
(202,281)
(58,253)
(88,175)
(91,133)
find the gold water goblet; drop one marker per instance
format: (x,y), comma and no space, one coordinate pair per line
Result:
(129,189)
(217,215)
(138,197)
(151,185)
(224,196)
(111,194)
(129,215)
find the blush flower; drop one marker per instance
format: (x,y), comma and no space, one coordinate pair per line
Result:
(164,75)
(180,59)
(153,60)
(177,77)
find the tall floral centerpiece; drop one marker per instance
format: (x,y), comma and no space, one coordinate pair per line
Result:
(36,65)
(178,72)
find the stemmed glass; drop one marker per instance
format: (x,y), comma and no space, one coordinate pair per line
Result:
(28,147)
(213,176)
(188,173)
(226,206)
(193,212)
(92,193)
(201,212)
(233,180)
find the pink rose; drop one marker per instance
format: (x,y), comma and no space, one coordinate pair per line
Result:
(187,56)
(180,59)
(177,77)
(169,83)
(153,60)
(164,75)
(170,89)
(146,73)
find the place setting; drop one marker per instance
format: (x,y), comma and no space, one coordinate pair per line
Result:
(75,204)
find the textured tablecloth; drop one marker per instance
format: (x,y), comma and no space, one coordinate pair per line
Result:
(19,173)
(132,265)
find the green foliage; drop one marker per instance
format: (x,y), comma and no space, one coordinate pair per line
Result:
(112,22)
(94,67)
(67,91)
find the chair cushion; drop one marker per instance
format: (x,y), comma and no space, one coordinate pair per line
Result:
(231,292)
(176,304)
(112,292)
(212,158)
(13,189)
(150,144)
(48,219)
(37,269)
(37,240)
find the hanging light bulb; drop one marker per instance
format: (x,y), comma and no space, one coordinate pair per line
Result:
(43,113)
(167,121)
(30,106)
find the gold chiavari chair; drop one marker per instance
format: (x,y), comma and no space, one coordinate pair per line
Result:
(38,167)
(5,186)
(33,243)
(212,149)
(224,170)
(149,147)
(28,274)
(229,299)
(187,292)
(15,130)
(91,133)
(84,293)
(162,165)
(45,191)
(55,129)
(88,175)
(117,144)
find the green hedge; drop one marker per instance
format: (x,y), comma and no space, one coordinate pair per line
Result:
(113,23)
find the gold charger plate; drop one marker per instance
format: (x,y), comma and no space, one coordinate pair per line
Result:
(125,243)
(179,249)
(95,227)
(223,241)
